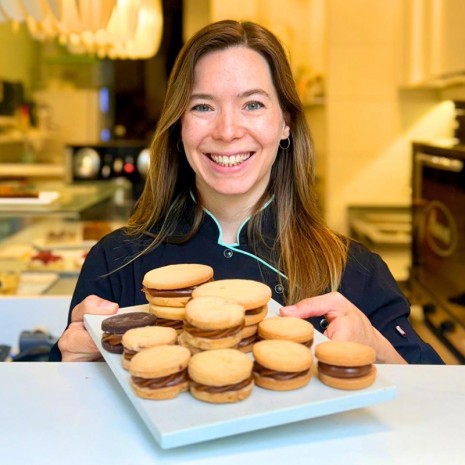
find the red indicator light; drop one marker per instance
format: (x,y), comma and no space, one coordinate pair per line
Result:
(129,168)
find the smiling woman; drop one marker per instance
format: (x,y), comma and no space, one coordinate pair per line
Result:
(231,185)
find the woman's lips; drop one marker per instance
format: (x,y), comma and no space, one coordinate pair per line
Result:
(229,160)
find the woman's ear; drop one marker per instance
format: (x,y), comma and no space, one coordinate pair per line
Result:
(286,131)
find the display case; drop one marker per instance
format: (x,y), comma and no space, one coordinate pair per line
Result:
(47,230)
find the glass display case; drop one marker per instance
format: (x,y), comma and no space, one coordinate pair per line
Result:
(47,230)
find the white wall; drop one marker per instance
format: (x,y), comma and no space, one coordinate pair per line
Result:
(370,123)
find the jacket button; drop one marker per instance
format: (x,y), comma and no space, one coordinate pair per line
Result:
(324,323)
(228,253)
(279,289)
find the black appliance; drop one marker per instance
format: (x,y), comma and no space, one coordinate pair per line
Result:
(110,160)
(437,277)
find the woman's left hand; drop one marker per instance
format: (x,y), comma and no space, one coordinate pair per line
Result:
(345,323)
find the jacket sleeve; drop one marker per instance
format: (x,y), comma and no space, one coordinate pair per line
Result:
(368,284)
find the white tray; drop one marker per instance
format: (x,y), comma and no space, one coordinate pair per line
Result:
(186,420)
(44,198)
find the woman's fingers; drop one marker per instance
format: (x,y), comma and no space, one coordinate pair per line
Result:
(330,305)
(93,305)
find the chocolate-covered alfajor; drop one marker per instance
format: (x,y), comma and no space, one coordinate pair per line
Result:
(170,287)
(114,327)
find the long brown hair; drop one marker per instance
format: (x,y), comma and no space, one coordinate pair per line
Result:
(310,255)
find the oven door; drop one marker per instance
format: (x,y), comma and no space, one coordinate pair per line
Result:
(438,242)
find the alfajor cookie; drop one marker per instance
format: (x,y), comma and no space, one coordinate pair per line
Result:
(160,372)
(138,339)
(287,328)
(220,376)
(252,295)
(346,365)
(114,327)
(172,285)
(212,323)
(281,365)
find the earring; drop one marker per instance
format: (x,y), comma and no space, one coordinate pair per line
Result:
(180,148)
(288,143)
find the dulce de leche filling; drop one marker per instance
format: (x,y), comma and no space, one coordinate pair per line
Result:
(163,382)
(277,375)
(212,333)
(112,339)
(343,372)
(219,389)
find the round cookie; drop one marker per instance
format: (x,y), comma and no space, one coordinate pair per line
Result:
(171,317)
(281,365)
(160,372)
(248,293)
(346,365)
(288,328)
(252,295)
(115,326)
(221,376)
(137,339)
(213,323)
(172,285)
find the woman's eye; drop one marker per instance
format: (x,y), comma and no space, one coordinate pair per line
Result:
(201,107)
(254,105)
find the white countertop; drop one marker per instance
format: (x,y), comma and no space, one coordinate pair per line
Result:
(78,413)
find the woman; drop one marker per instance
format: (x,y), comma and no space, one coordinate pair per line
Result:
(231,185)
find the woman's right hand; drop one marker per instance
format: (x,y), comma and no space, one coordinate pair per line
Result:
(75,344)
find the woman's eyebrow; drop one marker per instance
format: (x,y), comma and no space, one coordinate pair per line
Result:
(250,92)
(201,97)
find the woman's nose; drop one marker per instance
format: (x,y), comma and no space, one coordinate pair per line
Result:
(228,126)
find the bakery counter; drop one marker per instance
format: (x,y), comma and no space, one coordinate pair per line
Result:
(422,425)
(46,256)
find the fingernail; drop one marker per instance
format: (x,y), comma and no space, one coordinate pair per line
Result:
(289,309)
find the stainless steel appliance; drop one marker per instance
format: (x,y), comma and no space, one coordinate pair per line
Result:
(437,276)
(126,160)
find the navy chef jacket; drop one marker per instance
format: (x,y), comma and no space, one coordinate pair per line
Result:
(366,282)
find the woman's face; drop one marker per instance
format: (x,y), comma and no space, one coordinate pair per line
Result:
(233,124)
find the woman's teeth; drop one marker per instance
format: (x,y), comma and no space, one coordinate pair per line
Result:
(232,160)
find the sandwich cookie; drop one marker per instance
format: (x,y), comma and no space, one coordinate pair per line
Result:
(281,365)
(220,376)
(115,326)
(170,287)
(252,295)
(138,339)
(212,323)
(160,372)
(346,365)
(287,328)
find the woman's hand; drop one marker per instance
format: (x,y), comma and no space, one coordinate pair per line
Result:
(345,323)
(75,344)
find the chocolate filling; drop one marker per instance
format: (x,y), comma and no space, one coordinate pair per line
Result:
(175,324)
(343,372)
(219,389)
(183,292)
(247,340)
(277,375)
(254,311)
(163,382)
(212,333)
